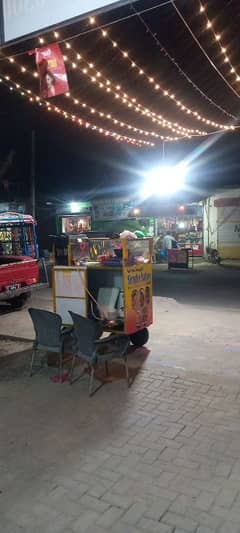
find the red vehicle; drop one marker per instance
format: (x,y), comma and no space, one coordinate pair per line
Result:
(19,270)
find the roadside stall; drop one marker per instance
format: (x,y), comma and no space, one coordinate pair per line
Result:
(107,279)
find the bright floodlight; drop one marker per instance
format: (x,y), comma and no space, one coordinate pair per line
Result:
(164,180)
(74,206)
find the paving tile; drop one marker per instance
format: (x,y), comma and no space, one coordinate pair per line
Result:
(162,457)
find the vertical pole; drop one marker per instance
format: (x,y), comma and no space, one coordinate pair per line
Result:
(1,24)
(163,151)
(33,173)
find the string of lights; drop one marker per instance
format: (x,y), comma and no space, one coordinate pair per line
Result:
(156,84)
(79,121)
(105,84)
(218,38)
(124,98)
(204,51)
(92,29)
(164,51)
(116,90)
(100,113)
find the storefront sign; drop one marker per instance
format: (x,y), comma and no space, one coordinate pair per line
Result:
(138,297)
(51,70)
(23,17)
(112,209)
(178,258)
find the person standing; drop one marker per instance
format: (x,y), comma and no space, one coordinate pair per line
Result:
(169,242)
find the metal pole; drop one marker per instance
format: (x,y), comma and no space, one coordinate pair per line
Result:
(33,173)
(163,151)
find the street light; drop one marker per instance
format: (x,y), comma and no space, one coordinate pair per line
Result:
(136,211)
(164,180)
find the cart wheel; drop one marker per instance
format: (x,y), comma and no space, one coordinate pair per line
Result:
(140,337)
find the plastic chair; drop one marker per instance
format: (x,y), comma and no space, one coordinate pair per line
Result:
(50,336)
(94,351)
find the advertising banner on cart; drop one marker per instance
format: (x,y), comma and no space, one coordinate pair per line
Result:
(51,70)
(23,17)
(138,297)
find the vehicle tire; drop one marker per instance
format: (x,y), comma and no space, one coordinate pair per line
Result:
(140,337)
(18,302)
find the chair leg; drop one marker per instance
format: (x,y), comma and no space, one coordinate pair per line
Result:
(127,372)
(61,367)
(91,376)
(106,368)
(32,362)
(72,369)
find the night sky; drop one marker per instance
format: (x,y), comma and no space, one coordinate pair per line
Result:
(75,163)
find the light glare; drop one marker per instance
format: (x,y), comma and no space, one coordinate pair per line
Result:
(164,181)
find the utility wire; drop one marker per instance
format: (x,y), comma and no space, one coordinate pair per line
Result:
(91,30)
(204,51)
(173,60)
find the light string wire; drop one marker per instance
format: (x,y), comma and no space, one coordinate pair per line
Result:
(157,86)
(124,98)
(203,50)
(218,39)
(102,114)
(91,30)
(175,63)
(20,89)
(102,82)
(181,106)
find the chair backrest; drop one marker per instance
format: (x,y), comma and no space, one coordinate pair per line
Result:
(86,332)
(47,327)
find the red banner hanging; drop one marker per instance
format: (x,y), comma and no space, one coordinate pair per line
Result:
(51,70)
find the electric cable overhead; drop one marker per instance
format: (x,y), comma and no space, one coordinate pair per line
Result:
(79,121)
(203,50)
(92,29)
(104,83)
(164,51)
(233,70)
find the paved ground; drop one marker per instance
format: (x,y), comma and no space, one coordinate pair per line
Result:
(160,457)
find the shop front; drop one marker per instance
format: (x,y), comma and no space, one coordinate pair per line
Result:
(119,214)
(186,223)
(74,218)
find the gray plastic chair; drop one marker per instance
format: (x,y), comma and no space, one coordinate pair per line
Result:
(88,347)
(50,335)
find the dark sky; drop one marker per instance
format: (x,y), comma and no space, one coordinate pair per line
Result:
(72,162)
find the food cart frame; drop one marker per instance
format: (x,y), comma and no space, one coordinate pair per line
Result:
(125,280)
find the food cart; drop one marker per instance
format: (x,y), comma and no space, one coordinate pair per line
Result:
(105,278)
